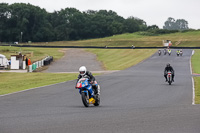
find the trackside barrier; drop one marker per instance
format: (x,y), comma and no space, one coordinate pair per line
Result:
(42,62)
(30,68)
(37,65)
(33,66)
(46,61)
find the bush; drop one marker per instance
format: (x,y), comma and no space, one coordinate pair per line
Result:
(188,30)
(157,32)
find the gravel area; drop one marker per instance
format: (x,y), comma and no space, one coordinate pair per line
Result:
(73,59)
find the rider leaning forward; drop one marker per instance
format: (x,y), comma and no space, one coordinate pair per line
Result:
(87,74)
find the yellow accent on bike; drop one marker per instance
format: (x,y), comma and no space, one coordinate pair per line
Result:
(91,100)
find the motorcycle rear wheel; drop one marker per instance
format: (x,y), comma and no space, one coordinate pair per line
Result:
(169,81)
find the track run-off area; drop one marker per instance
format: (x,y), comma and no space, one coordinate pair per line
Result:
(135,100)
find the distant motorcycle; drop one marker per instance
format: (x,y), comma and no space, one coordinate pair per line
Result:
(89,96)
(177,54)
(169,77)
(165,52)
(169,52)
(181,53)
(159,52)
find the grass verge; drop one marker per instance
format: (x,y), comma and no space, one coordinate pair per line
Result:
(119,59)
(197,90)
(13,82)
(112,60)
(196,62)
(182,39)
(34,54)
(196,69)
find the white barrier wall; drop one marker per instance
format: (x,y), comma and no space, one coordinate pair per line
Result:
(36,65)
(3,62)
(14,63)
(30,68)
(42,63)
(24,64)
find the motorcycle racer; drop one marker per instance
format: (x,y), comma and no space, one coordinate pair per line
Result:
(181,52)
(169,68)
(84,73)
(169,51)
(165,51)
(178,52)
(159,52)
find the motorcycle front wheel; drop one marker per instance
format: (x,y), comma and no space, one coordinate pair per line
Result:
(85,99)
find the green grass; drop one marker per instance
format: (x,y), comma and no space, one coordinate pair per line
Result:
(197,90)
(119,59)
(36,53)
(13,82)
(184,39)
(112,60)
(196,69)
(196,62)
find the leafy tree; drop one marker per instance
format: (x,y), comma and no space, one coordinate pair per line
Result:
(68,24)
(4,17)
(37,25)
(103,23)
(152,27)
(182,24)
(132,24)
(179,24)
(29,20)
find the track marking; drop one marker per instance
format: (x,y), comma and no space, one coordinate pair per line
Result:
(193,88)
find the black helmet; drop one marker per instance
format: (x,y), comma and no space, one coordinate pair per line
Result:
(168,65)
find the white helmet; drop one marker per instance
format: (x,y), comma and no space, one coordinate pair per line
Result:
(82,70)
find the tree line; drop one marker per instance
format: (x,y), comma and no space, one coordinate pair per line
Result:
(179,24)
(25,22)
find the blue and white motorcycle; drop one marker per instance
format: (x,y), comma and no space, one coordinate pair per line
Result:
(88,94)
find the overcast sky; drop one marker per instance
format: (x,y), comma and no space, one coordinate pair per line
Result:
(151,11)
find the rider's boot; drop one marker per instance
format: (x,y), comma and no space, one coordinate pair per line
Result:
(165,78)
(97,89)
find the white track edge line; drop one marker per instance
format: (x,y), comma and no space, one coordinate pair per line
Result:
(193,92)
(193,88)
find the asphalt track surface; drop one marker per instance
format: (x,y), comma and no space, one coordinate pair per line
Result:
(73,59)
(136,100)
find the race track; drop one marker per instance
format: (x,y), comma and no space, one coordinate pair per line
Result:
(136,100)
